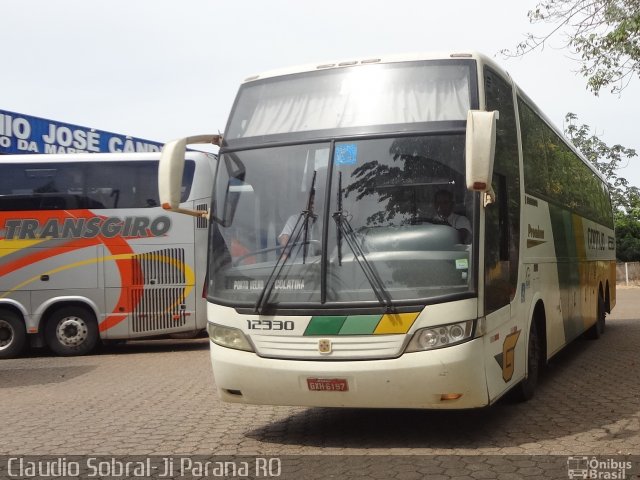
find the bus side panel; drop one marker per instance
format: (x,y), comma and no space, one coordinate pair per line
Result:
(39,273)
(574,256)
(149,289)
(612,275)
(505,350)
(201,200)
(200,265)
(543,274)
(51,267)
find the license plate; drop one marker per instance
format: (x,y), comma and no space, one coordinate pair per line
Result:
(328,384)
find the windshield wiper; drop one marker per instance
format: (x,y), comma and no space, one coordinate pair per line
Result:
(302,224)
(345,230)
(308,214)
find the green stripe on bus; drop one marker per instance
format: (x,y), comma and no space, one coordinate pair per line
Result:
(325,325)
(564,238)
(343,325)
(360,324)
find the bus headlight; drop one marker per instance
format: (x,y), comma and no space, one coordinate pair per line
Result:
(228,337)
(440,336)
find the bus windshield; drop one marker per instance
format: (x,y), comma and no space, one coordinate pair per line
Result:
(389,95)
(81,184)
(392,216)
(361,200)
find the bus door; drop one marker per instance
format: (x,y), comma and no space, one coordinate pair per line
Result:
(506,333)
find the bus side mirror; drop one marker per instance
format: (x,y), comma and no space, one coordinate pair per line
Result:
(171,168)
(480,150)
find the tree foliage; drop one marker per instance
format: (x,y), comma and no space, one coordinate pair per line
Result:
(603,34)
(607,159)
(628,233)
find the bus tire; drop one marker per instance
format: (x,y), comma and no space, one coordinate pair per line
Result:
(71,331)
(525,390)
(13,335)
(597,329)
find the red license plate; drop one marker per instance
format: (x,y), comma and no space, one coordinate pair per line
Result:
(328,384)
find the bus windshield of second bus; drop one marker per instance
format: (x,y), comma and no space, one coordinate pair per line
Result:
(373,197)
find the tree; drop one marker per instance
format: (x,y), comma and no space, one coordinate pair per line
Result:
(608,160)
(628,234)
(603,34)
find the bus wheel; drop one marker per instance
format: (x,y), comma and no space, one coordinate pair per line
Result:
(526,388)
(71,331)
(597,328)
(13,336)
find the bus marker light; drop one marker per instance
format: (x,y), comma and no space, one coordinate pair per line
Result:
(450,396)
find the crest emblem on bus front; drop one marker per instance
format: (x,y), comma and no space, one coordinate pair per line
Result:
(324,345)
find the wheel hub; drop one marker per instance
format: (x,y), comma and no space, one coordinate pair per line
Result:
(72,331)
(6,334)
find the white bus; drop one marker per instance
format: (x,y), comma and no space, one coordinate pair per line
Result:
(87,253)
(415,234)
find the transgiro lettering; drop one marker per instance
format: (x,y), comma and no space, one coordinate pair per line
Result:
(108,227)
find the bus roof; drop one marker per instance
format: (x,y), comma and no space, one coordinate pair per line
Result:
(94,157)
(344,63)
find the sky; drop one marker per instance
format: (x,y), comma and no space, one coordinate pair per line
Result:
(162,69)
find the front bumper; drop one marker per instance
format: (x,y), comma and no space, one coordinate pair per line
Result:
(413,380)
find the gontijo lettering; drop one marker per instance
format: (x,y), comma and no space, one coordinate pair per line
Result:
(535,232)
(595,239)
(108,227)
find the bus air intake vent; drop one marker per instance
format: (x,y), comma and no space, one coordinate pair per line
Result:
(157,309)
(162,267)
(201,222)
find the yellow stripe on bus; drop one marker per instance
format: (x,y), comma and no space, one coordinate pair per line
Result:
(188,272)
(8,247)
(395,323)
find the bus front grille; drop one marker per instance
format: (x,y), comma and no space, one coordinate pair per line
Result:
(157,309)
(162,267)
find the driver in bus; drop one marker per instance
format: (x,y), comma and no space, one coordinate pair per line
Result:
(287,230)
(443,205)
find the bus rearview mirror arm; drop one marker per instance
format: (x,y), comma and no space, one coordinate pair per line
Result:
(480,149)
(171,168)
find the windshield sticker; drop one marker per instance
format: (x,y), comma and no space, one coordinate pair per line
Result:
(284,284)
(346,154)
(248,284)
(462,264)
